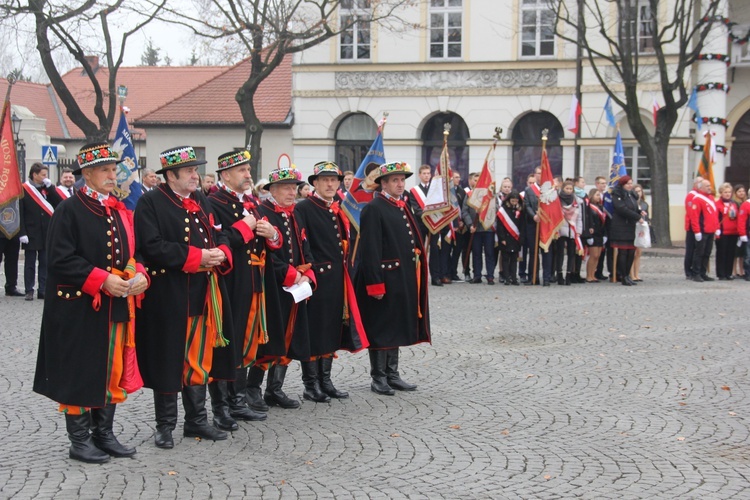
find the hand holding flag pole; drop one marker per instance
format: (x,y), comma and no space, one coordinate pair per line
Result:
(545,133)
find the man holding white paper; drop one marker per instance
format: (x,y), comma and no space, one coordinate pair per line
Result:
(290,265)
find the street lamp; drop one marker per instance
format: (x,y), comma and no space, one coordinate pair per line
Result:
(20,145)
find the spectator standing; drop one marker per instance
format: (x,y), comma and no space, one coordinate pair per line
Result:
(483,240)
(622,228)
(509,226)
(635,274)
(739,197)
(726,243)
(594,233)
(704,224)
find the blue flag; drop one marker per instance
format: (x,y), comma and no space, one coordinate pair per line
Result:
(693,104)
(128,188)
(609,113)
(360,193)
(616,171)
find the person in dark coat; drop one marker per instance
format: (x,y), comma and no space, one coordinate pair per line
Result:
(36,207)
(622,227)
(531,206)
(248,234)
(291,265)
(333,316)
(391,280)
(509,234)
(184,323)
(94,278)
(594,233)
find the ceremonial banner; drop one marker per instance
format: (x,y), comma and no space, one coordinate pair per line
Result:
(11,189)
(482,197)
(550,211)
(438,210)
(360,194)
(706,165)
(128,188)
(616,171)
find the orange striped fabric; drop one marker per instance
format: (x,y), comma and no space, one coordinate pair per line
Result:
(199,352)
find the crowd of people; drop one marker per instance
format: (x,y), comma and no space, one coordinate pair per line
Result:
(208,295)
(212,285)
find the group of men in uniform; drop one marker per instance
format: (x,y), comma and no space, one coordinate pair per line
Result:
(191,294)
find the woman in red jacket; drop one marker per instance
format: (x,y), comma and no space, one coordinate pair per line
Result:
(740,197)
(726,242)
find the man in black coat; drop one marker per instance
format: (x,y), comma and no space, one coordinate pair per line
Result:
(531,206)
(248,236)
(94,278)
(291,265)
(333,315)
(391,279)
(184,323)
(37,206)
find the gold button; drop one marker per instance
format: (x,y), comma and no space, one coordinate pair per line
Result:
(187,229)
(187,220)
(234,206)
(59,294)
(109,256)
(187,239)
(236,215)
(67,295)
(109,269)
(249,261)
(109,243)
(248,252)
(109,233)
(78,293)
(153,273)
(163,271)
(321,269)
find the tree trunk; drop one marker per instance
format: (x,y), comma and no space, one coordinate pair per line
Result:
(253,127)
(660,194)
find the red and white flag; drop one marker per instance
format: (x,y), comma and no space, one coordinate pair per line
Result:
(550,210)
(438,209)
(10,184)
(574,119)
(655,109)
(482,197)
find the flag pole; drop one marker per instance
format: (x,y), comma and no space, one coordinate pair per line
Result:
(536,238)
(6,102)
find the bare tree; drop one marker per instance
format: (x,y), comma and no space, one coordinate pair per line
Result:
(640,43)
(266,31)
(80,30)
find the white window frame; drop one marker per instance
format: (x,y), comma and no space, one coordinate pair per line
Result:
(362,11)
(634,163)
(539,8)
(446,11)
(642,33)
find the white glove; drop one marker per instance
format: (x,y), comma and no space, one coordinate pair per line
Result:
(743,239)
(739,243)
(717,233)
(47,182)
(605,241)
(24,240)
(590,241)
(698,236)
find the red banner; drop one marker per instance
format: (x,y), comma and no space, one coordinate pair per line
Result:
(10,181)
(550,211)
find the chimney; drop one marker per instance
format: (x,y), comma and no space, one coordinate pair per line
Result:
(93,61)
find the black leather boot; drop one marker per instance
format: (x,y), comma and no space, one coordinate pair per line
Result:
(310,380)
(196,420)
(274,396)
(567,279)
(377,372)
(165,408)
(324,375)
(237,404)
(81,445)
(220,406)
(253,393)
(391,370)
(560,279)
(102,420)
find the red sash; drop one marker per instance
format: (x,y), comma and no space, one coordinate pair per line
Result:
(419,196)
(508,223)
(38,198)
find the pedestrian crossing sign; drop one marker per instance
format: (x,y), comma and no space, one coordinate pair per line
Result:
(49,155)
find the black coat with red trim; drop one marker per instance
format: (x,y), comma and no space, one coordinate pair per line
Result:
(329,241)
(85,244)
(170,240)
(35,220)
(245,278)
(294,251)
(390,249)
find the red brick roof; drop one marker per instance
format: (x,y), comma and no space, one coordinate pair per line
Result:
(213,103)
(36,97)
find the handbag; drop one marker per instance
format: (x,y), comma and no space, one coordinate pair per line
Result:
(642,235)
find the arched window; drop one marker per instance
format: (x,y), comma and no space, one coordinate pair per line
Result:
(527,145)
(432,143)
(354,136)
(739,170)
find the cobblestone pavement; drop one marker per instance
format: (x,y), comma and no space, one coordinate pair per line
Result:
(589,391)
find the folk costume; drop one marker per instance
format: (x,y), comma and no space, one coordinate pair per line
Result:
(333,315)
(85,330)
(393,265)
(291,339)
(36,208)
(510,234)
(184,324)
(247,295)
